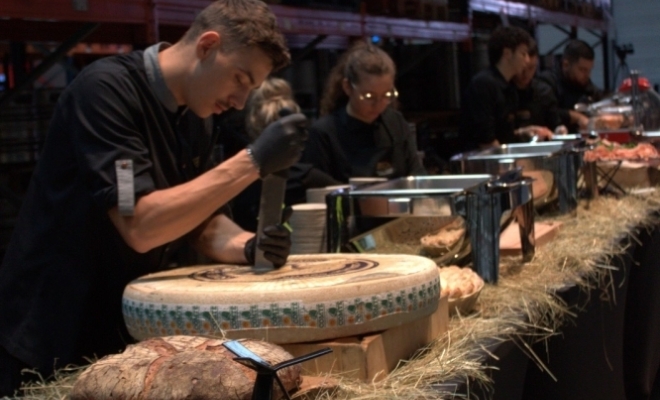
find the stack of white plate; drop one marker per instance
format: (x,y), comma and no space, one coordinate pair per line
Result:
(308,224)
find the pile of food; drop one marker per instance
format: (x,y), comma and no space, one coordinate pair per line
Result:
(605,150)
(443,240)
(459,282)
(610,122)
(462,286)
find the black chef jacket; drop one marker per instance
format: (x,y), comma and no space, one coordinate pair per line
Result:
(537,105)
(62,278)
(487,110)
(345,147)
(568,94)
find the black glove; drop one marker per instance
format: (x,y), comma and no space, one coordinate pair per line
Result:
(275,242)
(280,145)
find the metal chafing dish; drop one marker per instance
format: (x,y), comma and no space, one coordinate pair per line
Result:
(568,137)
(620,176)
(648,136)
(631,110)
(482,200)
(554,164)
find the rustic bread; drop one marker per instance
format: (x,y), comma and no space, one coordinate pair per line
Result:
(180,367)
(447,236)
(459,282)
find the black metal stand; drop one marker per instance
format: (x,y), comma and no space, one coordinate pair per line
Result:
(266,373)
(622,67)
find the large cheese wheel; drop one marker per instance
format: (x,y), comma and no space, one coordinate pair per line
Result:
(313,297)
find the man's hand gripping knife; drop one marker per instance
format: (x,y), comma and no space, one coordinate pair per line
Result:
(278,147)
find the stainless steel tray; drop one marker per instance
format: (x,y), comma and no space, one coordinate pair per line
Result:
(650,136)
(554,165)
(403,236)
(526,148)
(568,137)
(434,195)
(424,185)
(482,200)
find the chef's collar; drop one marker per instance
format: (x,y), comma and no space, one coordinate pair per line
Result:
(354,124)
(155,76)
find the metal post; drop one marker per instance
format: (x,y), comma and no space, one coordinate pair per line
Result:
(153,32)
(338,220)
(606,60)
(634,91)
(17,61)
(484,211)
(524,215)
(49,61)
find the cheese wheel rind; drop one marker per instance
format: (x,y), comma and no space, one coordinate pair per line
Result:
(313,297)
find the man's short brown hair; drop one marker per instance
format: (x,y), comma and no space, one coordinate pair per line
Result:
(243,23)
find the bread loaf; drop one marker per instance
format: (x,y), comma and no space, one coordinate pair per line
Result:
(180,367)
(459,282)
(444,238)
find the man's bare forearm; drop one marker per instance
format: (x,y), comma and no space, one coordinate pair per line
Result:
(220,239)
(494,143)
(578,118)
(165,215)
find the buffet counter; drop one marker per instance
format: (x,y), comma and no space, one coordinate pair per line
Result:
(577,322)
(608,346)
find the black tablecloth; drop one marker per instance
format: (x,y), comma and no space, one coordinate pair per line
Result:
(587,357)
(609,351)
(641,351)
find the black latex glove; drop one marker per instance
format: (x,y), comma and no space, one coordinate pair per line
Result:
(280,145)
(275,242)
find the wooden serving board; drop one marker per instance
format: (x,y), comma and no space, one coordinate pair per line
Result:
(372,357)
(544,232)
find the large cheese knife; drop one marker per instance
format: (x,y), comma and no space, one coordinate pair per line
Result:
(273,188)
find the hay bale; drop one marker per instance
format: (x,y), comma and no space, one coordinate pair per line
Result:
(179,367)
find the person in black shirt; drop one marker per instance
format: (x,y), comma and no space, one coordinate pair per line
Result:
(359,134)
(127,176)
(489,103)
(571,83)
(537,113)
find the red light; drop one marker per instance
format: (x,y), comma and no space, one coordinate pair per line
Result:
(643,83)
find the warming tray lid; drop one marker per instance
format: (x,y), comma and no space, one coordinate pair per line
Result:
(525,149)
(423,185)
(568,137)
(651,135)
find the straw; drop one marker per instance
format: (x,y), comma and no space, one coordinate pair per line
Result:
(522,308)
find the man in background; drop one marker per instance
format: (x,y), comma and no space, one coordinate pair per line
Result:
(490,101)
(537,113)
(571,83)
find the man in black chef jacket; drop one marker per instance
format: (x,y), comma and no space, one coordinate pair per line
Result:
(127,176)
(489,103)
(571,83)
(537,113)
